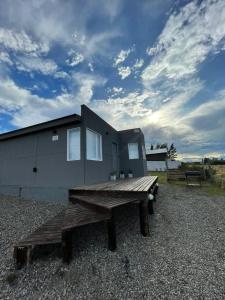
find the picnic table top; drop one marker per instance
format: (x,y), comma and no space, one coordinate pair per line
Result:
(138,184)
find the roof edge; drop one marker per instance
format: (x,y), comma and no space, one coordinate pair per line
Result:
(70,119)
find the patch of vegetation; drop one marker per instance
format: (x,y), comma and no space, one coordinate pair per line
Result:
(161,175)
(211,188)
(214,190)
(11,278)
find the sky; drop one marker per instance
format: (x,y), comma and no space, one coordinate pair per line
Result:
(154,64)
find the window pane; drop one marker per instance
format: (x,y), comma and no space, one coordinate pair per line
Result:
(73,151)
(94,145)
(91,145)
(133,151)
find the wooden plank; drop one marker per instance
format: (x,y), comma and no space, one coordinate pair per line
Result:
(150,184)
(123,184)
(102,202)
(79,215)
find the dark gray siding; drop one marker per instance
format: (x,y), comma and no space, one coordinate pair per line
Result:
(97,171)
(18,157)
(19,154)
(138,166)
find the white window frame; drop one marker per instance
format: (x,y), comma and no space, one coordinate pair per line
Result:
(143,152)
(129,151)
(68,145)
(94,158)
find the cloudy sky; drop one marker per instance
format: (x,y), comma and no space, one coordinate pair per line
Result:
(154,64)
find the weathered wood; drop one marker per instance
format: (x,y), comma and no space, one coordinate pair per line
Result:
(67,246)
(141,184)
(193,177)
(143,207)
(20,255)
(89,204)
(175,175)
(111,233)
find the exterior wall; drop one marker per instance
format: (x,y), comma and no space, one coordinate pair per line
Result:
(162,165)
(156,165)
(173,164)
(54,176)
(138,166)
(97,171)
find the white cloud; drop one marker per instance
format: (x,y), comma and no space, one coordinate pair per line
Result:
(21,42)
(75,59)
(124,72)
(61,74)
(44,66)
(122,56)
(151,51)
(139,63)
(4,57)
(26,108)
(188,37)
(117,89)
(91,67)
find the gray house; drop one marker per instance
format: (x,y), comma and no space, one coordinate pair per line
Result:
(45,160)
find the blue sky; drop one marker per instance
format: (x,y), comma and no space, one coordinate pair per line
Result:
(154,64)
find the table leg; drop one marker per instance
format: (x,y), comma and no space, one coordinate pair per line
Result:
(150,207)
(67,246)
(111,233)
(144,222)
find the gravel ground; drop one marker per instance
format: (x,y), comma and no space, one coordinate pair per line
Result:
(184,258)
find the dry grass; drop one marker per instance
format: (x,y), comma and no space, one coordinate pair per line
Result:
(211,188)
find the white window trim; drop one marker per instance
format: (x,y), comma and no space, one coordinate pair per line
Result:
(143,152)
(129,151)
(94,159)
(68,135)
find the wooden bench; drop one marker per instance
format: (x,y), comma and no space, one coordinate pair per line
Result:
(88,205)
(193,178)
(57,230)
(78,215)
(173,174)
(46,234)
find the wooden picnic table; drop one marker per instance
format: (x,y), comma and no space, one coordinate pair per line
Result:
(107,196)
(89,204)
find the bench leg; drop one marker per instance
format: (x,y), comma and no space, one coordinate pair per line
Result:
(20,256)
(144,224)
(150,207)
(156,192)
(111,233)
(67,246)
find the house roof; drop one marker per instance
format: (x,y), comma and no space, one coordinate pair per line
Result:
(71,119)
(157,151)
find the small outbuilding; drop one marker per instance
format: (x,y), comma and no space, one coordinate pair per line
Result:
(45,160)
(157,160)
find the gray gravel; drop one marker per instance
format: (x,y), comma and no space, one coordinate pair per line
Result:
(184,258)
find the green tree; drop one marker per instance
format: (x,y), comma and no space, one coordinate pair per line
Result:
(172,152)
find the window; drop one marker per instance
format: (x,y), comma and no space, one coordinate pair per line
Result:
(133,151)
(73,144)
(94,145)
(143,152)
